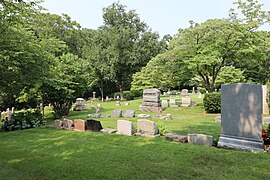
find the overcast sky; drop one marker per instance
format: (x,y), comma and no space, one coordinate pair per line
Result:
(162,16)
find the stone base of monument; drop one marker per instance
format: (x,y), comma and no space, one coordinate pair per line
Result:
(151,109)
(241,144)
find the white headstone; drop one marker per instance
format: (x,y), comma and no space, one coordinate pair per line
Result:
(125,127)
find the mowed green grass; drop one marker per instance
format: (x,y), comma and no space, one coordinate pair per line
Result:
(43,153)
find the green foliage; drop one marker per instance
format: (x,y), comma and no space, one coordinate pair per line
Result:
(128,95)
(23,120)
(116,94)
(212,102)
(162,129)
(121,47)
(229,75)
(268,130)
(136,93)
(203,90)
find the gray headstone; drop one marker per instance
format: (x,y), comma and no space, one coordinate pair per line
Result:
(151,100)
(58,124)
(117,113)
(186,102)
(146,128)
(125,127)
(129,113)
(241,114)
(184,92)
(68,124)
(200,139)
(143,116)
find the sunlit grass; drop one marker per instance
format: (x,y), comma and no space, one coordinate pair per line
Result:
(43,153)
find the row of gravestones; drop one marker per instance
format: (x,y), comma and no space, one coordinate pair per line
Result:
(144,127)
(79,125)
(186,102)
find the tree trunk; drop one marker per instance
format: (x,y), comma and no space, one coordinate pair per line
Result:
(121,92)
(101,89)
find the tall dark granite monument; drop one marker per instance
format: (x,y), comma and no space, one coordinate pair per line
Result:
(241,117)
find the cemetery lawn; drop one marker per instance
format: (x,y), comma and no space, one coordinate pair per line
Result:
(43,153)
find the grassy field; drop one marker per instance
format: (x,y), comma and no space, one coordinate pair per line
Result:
(43,153)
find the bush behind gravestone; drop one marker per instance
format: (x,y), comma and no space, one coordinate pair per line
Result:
(128,95)
(137,93)
(162,129)
(23,120)
(212,102)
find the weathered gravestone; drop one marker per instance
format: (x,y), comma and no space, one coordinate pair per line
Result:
(151,101)
(117,103)
(265,99)
(79,125)
(68,124)
(172,101)
(176,137)
(241,114)
(146,128)
(164,103)
(200,139)
(129,113)
(93,125)
(117,113)
(80,105)
(58,124)
(143,116)
(125,127)
(186,102)
(184,92)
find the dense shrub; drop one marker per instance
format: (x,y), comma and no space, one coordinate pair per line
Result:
(23,120)
(116,94)
(162,129)
(212,102)
(137,93)
(203,90)
(128,95)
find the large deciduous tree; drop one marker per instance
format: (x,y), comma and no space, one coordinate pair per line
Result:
(121,47)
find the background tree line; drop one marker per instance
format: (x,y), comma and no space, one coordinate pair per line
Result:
(51,59)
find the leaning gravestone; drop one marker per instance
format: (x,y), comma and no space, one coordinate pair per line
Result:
(265,99)
(79,125)
(151,101)
(241,114)
(146,128)
(93,125)
(117,113)
(129,113)
(125,128)
(184,92)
